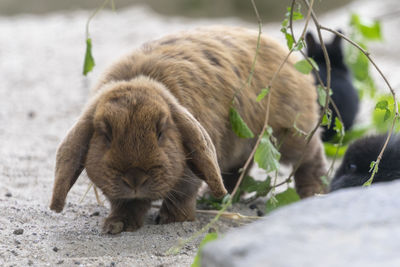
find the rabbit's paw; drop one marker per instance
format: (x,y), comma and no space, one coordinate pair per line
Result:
(115,225)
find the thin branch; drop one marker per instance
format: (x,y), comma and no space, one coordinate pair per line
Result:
(94,14)
(250,158)
(253,65)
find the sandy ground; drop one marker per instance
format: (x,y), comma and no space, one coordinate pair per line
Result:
(42,92)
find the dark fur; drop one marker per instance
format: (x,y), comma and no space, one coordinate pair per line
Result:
(354,170)
(344,94)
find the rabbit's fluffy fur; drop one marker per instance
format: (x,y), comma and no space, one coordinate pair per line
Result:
(344,95)
(355,167)
(159,120)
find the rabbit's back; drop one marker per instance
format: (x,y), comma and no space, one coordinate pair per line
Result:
(204,69)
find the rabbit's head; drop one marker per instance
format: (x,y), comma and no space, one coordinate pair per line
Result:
(334,49)
(135,139)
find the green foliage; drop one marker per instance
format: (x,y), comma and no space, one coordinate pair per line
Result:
(324,180)
(248,185)
(383,114)
(339,127)
(267,156)
(327,118)
(303,66)
(207,239)
(322,95)
(211,202)
(89,60)
(363,31)
(285,26)
(282,199)
(238,125)
(384,105)
(262,94)
(261,188)
(369,29)
(330,150)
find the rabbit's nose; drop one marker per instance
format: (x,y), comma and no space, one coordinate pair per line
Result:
(135,177)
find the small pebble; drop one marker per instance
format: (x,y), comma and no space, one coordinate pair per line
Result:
(212,230)
(253,206)
(19,231)
(77,262)
(30,262)
(55,249)
(112,264)
(8,194)
(60,262)
(96,213)
(14,252)
(260,213)
(31,114)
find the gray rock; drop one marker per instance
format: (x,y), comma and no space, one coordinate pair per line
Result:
(354,227)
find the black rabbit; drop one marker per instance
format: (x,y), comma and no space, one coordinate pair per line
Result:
(354,170)
(344,94)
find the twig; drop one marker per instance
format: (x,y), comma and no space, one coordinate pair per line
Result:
(253,65)
(95,13)
(226,214)
(249,159)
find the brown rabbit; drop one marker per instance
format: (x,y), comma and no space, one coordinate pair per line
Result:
(159,120)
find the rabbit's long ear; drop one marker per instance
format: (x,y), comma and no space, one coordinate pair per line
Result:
(202,155)
(70,159)
(311,44)
(337,40)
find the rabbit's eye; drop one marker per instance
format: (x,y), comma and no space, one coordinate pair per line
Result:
(352,167)
(107,137)
(159,135)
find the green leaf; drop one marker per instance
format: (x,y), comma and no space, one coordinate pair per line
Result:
(387,115)
(285,23)
(264,187)
(326,120)
(383,114)
(250,185)
(226,199)
(289,40)
(285,198)
(300,45)
(296,14)
(370,29)
(369,182)
(303,66)
(330,150)
(324,180)
(262,94)
(371,165)
(208,238)
(321,95)
(313,63)
(210,202)
(383,104)
(267,156)
(238,125)
(339,127)
(89,60)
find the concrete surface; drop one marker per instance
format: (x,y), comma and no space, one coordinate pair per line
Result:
(357,227)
